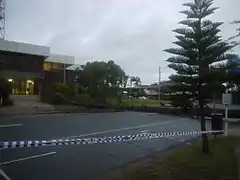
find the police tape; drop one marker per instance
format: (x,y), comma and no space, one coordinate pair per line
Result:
(100,140)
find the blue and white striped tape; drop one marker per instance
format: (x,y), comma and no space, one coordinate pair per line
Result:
(100,140)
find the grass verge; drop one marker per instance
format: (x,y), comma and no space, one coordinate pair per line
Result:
(146,102)
(190,164)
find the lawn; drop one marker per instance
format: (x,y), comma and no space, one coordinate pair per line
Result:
(190,164)
(146,102)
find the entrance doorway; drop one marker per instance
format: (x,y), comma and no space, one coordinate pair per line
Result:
(30,87)
(22,87)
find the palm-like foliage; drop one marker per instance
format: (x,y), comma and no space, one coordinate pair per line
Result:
(197,59)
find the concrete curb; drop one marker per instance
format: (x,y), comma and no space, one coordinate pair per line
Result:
(22,114)
(57,112)
(231,120)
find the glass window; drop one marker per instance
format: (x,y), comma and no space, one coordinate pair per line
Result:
(47,66)
(57,66)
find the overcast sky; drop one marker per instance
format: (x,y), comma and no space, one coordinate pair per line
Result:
(133,33)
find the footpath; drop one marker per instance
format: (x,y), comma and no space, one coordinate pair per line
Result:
(27,108)
(31,105)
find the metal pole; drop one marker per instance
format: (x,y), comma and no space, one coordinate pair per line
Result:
(159,81)
(226,120)
(226,116)
(64,74)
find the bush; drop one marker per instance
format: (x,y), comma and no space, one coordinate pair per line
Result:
(61,88)
(5,91)
(59,99)
(68,90)
(85,100)
(58,93)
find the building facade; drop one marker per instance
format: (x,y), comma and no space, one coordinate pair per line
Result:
(22,65)
(55,68)
(30,68)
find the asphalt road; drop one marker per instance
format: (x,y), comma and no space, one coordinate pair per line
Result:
(77,162)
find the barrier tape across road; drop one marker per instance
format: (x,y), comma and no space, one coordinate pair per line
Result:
(100,140)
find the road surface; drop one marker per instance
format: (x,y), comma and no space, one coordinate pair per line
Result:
(76,162)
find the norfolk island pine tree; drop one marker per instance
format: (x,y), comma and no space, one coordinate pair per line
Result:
(198,61)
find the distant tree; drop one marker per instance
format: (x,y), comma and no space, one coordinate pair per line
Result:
(137,81)
(132,80)
(197,60)
(236,41)
(125,81)
(101,79)
(233,39)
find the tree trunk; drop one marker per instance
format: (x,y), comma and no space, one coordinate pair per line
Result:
(130,88)
(214,102)
(205,147)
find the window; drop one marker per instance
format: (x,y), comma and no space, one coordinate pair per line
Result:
(47,66)
(57,66)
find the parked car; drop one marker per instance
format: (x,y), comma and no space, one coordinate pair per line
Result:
(142,98)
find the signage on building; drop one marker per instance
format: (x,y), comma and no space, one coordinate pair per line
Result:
(226,99)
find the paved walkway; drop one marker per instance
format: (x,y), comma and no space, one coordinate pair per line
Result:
(26,105)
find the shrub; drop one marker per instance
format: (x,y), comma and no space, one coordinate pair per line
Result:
(5,91)
(84,100)
(68,90)
(114,102)
(61,88)
(59,99)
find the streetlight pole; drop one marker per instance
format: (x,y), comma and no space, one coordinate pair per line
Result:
(64,73)
(159,81)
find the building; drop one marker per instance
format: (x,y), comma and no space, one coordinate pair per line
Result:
(56,68)
(22,65)
(28,67)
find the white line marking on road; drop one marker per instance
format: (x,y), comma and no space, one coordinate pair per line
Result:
(122,129)
(27,158)
(142,114)
(4,174)
(144,131)
(9,125)
(171,138)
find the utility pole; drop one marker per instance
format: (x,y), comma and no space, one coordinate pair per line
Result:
(64,73)
(159,81)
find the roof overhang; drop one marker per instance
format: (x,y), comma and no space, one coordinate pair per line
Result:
(24,48)
(63,59)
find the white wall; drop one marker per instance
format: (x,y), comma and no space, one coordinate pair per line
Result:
(24,48)
(61,59)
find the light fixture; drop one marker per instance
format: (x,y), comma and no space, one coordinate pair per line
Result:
(30,81)
(10,80)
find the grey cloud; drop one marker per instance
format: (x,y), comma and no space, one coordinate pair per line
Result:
(133,33)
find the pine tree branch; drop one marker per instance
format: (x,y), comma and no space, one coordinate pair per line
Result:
(181,60)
